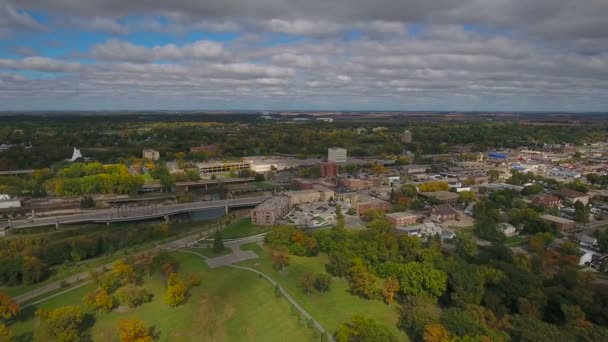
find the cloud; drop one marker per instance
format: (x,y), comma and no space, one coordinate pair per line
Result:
(39,64)
(117,50)
(11,19)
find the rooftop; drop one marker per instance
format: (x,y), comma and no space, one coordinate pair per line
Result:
(441,195)
(273,202)
(401,214)
(556,219)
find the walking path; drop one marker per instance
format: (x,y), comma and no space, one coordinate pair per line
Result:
(289,298)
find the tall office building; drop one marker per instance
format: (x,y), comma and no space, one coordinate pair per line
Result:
(336,155)
(406,137)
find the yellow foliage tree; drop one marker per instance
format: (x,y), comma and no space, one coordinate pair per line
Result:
(433,186)
(391,285)
(176,291)
(133,330)
(8,307)
(124,270)
(100,301)
(436,333)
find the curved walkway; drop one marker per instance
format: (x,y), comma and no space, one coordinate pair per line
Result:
(289,298)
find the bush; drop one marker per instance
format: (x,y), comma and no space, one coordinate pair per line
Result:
(133,296)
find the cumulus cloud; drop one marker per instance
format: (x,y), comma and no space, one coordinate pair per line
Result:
(39,64)
(117,50)
(11,19)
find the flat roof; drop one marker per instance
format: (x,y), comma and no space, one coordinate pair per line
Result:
(401,214)
(556,219)
(440,195)
(273,202)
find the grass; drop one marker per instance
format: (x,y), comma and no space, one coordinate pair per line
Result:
(243,228)
(230,305)
(332,308)
(516,241)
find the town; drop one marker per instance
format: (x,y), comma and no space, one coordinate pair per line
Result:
(540,199)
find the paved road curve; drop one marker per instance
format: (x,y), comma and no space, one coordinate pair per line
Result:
(137,213)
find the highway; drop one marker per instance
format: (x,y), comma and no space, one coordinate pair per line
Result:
(136,213)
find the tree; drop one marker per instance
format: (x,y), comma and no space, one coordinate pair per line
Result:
(308,282)
(322,282)
(436,333)
(280,258)
(33,270)
(582,212)
(133,330)
(99,301)
(364,329)
(340,221)
(124,271)
(465,245)
(176,291)
(467,197)
(218,244)
(493,175)
(62,324)
(391,286)
(8,307)
(361,280)
(5,333)
(133,296)
(409,190)
(433,186)
(421,279)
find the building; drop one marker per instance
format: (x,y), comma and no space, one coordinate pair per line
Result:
(561,223)
(150,154)
(444,197)
(270,211)
(317,194)
(443,212)
(218,167)
(573,196)
(564,173)
(547,201)
(325,119)
(210,150)
(363,207)
(303,184)
(403,218)
(76,154)
(328,169)
(336,155)
(406,137)
(361,183)
(497,156)
(7,203)
(507,229)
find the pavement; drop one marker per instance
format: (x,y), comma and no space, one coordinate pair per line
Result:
(237,254)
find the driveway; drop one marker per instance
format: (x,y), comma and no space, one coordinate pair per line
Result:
(237,254)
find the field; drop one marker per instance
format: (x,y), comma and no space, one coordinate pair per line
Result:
(332,308)
(243,228)
(229,305)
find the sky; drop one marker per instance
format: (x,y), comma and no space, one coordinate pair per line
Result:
(461,55)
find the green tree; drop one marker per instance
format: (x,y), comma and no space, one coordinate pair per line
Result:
(582,212)
(308,282)
(466,247)
(467,197)
(421,279)
(364,329)
(322,282)
(361,280)
(62,324)
(218,243)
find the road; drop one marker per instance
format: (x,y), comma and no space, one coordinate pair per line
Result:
(136,213)
(83,276)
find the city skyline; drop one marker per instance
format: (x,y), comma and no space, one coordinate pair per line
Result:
(286,55)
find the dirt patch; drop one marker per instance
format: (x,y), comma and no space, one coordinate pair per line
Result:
(122,309)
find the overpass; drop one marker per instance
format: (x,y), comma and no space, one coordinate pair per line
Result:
(156,187)
(127,214)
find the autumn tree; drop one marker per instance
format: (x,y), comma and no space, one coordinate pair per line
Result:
(176,291)
(62,324)
(434,186)
(133,330)
(280,258)
(361,280)
(436,333)
(391,286)
(124,271)
(133,296)
(100,301)
(8,309)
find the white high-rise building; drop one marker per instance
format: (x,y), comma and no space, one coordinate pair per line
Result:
(406,137)
(336,155)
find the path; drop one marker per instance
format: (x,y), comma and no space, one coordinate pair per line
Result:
(237,254)
(289,298)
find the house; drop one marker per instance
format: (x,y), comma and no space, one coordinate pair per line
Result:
(150,154)
(573,196)
(561,223)
(585,257)
(443,212)
(587,241)
(403,218)
(7,203)
(444,197)
(506,229)
(547,201)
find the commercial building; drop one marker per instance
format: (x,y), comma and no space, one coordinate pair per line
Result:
(336,155)
(363,207)
(507,229)
(328,169)
(406,137)
(303,184)
(403,218)
(444,197)
(216,167)
(498,156)
(318,194)
(564,173)
(561,223)
(361,183)
(150,154)
(270,211)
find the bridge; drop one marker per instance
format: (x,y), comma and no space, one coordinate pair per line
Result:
(127,214)
(155,187)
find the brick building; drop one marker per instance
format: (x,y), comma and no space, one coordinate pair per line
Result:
(328,169)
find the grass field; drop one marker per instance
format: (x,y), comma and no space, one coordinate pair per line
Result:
(243,228)
(332,308)
(229,305)
(516,241)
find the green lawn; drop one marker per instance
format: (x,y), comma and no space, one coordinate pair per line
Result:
(331,308)
(243,228)
(516,241)
(230,305)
